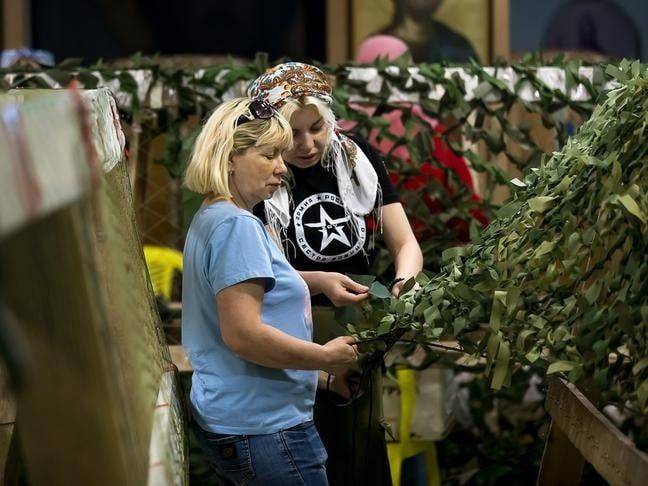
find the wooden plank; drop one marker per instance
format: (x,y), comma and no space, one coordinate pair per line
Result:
(562,464)
(612,454)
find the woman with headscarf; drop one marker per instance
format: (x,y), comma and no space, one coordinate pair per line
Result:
(337,182)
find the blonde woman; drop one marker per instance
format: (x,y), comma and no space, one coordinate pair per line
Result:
(246,312)
(340,186)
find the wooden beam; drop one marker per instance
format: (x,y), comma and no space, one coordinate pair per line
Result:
(500,29)
(15,24)
(562,464)
(600,443)
(337,31)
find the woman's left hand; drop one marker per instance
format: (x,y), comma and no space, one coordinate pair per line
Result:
(398,287)
(340,289)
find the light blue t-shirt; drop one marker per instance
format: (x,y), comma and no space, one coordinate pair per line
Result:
(225,246)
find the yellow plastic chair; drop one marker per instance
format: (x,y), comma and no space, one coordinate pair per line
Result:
(405,448)
(162,263)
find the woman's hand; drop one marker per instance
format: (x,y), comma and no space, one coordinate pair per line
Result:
(340,289)
(397,288)
(339,354)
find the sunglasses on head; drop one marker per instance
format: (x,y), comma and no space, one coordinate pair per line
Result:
(257,110)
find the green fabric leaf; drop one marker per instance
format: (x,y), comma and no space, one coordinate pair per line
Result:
(501,366)
(631,205)
(541,203)
(560,366)
(365,280)
(379,291)
(640,366)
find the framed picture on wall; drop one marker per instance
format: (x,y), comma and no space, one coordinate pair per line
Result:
(433,30)
(595,30)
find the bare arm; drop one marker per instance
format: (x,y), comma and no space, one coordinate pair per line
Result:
(239,310)
(401,243)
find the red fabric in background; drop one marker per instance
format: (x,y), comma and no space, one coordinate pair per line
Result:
(441,153)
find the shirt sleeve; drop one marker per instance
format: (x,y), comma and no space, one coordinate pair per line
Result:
(238,251)
(389,194)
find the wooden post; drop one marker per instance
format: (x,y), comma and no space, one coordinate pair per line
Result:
(15,24)
(338,32)
(500,30)
(592,438)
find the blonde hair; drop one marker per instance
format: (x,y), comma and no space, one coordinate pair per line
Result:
(220,138)
(325,111)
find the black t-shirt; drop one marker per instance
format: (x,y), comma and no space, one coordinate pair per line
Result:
(321,237)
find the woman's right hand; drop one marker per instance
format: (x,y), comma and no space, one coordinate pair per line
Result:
(340,289)
(339,354)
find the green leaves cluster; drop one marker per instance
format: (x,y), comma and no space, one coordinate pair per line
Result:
(155,98)
(559,280)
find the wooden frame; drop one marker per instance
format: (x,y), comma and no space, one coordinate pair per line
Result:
(580,433)
(15,24)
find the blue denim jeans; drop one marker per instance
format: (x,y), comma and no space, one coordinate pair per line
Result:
(294,456)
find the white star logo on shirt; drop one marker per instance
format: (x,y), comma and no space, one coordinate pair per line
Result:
(327,224)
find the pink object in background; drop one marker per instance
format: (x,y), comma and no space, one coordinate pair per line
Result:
(380,46)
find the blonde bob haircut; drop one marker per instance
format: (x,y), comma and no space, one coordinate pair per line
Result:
(324,110)
(220,139)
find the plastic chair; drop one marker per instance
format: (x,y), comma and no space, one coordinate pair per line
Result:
(162,263)
(405,448)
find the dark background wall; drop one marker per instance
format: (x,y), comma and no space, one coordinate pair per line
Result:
(91,29)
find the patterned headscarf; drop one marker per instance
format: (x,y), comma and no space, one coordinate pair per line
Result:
(357,179)
(291,80)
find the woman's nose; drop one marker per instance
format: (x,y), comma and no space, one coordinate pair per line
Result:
(304,141)
(281,168)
